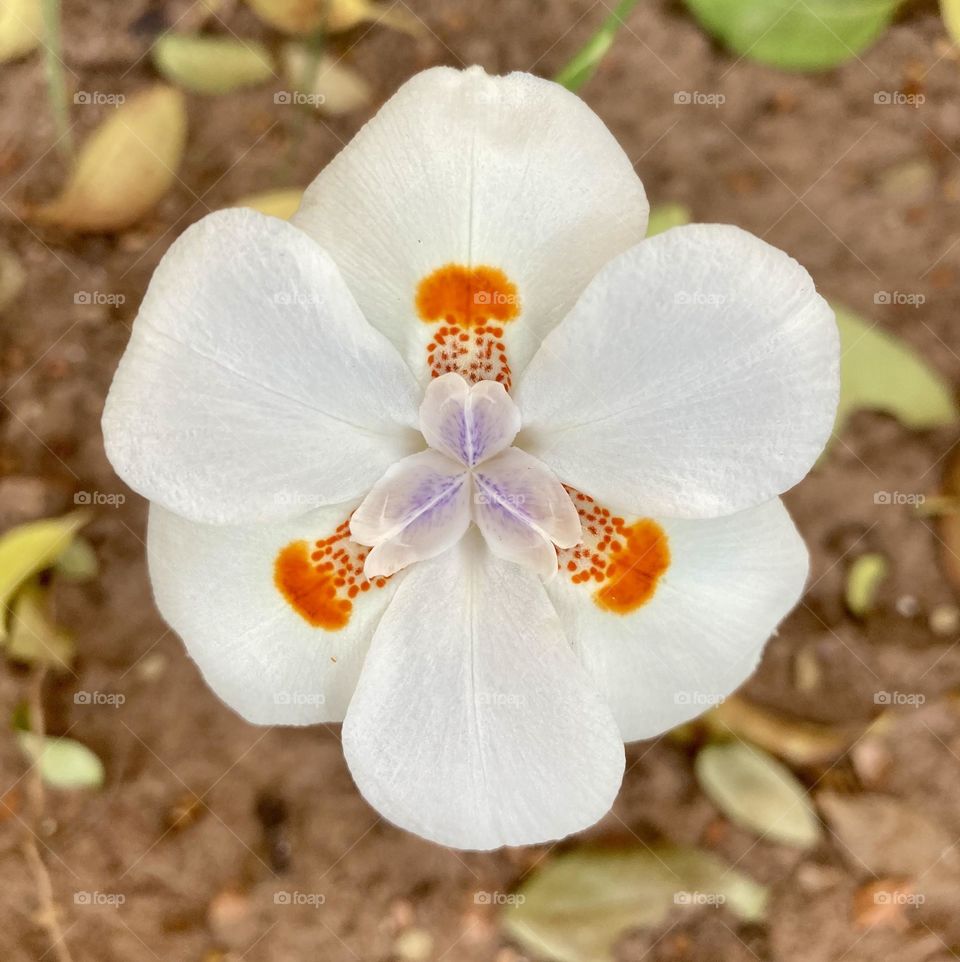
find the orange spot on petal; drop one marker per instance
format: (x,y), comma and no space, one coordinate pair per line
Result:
(466,296)
(632,575)
(310,590)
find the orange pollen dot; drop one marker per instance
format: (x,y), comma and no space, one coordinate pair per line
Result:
(632,575)
(466,296)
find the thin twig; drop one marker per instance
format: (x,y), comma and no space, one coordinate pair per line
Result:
(48,914)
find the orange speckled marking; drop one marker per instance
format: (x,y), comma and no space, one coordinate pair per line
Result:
(625,561)
(471,304)
(320,582)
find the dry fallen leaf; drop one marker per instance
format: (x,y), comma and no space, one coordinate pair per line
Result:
(334,89)
(21,28)
(864,578)
(798,742)
(277,203)
(33,637)
(211,65)
(333,16)
(758,793)
(126,165)
(886,835)
(30,548)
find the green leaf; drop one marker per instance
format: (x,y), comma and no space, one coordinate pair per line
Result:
(809,35)
(30,548)
(33,638)
(666,216)
(864,578)
(585,62)
(211,65)
(63,762)
(576,906)
(880,373)
(758,793)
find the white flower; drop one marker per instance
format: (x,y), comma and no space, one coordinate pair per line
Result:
(271,402)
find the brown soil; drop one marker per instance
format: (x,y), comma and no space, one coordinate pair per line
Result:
(812,164)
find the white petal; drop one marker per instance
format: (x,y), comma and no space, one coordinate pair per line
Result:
(460,167)
(418,509)
(469,423)
(697,375)
(217,587)
(473,725)
(729,583)
(252,388)
(522,510)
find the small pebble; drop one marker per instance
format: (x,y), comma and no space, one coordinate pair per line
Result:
(945,620)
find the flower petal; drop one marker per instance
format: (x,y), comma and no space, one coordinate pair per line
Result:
(469,423)
(522,511)
(218,586)
(472,724)
(699,635)
(417,510)
(500,174)
(698,375)
(252,389)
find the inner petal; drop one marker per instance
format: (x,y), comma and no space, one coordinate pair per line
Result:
(523,511)
(468,423)
(417,510)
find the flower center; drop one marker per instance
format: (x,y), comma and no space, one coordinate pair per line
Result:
(423,505)
(470,305)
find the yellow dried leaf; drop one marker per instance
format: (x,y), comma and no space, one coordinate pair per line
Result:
(276,203)
(866,575)
(308,16)
(799,742)
(211,65)
(30,548)
(21,28)
(332,87)
(126,165)
(950,9)
(33,638)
